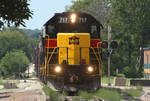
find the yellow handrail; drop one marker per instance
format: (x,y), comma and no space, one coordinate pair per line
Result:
(51,55)
(99,60)
(48,58)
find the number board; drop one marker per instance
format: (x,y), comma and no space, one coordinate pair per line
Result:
(68,20)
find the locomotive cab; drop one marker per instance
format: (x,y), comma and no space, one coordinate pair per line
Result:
(71,59)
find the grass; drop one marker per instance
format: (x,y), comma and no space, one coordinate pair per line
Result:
(108,94)
(76,99)
(16,82)
(105,79)
(33,74)
(134,92)
(85,95)
(54,96)
(22,74)
(1,81)
(139,88)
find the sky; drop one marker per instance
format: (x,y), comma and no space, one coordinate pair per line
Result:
(43,10)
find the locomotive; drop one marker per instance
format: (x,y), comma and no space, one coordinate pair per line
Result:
(68,56)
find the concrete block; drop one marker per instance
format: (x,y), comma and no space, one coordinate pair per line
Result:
(119,81)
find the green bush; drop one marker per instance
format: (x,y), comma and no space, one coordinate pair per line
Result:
(111,95)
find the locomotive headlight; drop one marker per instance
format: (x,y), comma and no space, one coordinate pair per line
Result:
(90,69)
(57,69)
(73,18)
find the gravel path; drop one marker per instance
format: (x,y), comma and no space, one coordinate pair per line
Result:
(31,90)
(26,91)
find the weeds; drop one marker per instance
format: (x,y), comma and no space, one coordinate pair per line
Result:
(134,92)
(85,95)
(139,88)
(54,96)
(33,74)
(1,81)
(76,99)
(105,80)
(17,82)
(111,95)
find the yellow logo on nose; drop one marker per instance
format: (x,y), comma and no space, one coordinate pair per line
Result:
(74,40)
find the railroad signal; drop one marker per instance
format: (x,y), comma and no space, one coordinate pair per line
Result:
(104,44)
(114,44)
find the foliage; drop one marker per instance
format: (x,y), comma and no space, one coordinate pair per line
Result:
(139,88)
(131,73)
(111,95)
(34,34)
(14,40)
(104,80)
(1,81)
(16,82)
(76,99)
(14,12)
(33,74)
(130,26)
(54,96)
(134,92)
(120,75)
(11,62)
(85,95)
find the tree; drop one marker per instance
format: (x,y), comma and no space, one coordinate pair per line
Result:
(14,40)
(14,12)
(11,62)
(130,22)
(34,34)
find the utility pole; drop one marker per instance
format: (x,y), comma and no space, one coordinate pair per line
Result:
(109,51)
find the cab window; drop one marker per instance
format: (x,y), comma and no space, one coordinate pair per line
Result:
(51,31)
(94,31)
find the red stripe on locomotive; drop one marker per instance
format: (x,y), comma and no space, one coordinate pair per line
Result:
(94,42)
(52,43)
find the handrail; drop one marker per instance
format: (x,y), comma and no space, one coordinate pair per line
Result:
(98,59)
(51,55)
